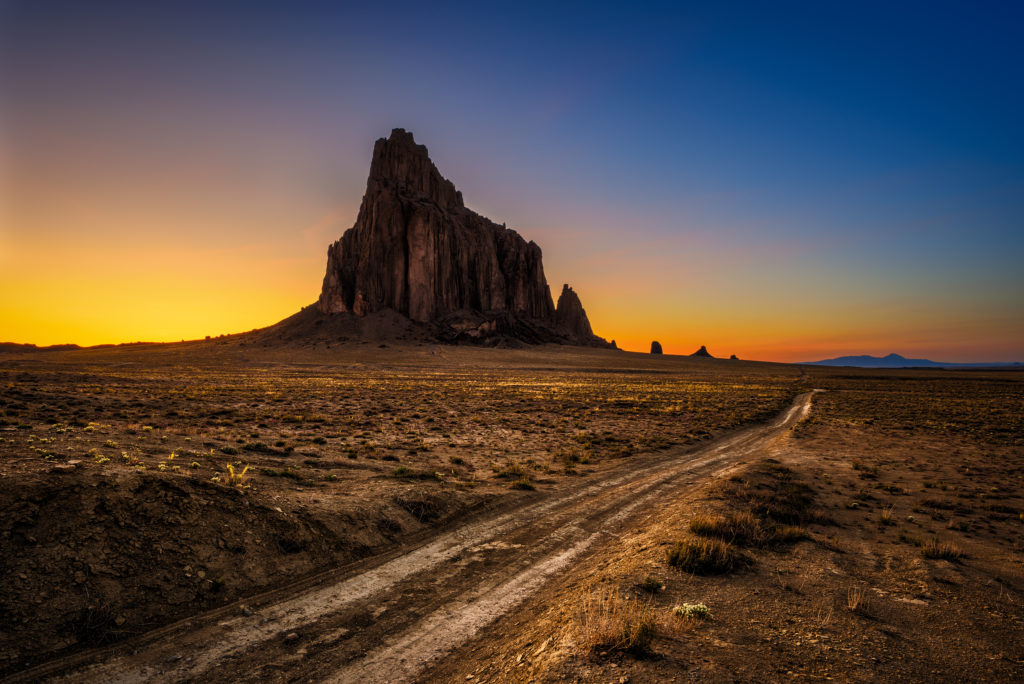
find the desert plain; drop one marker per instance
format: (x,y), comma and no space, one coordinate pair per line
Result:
(231,510)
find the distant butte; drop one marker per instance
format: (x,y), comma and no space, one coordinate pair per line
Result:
(447,272)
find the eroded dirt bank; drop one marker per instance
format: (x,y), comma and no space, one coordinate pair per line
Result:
(91,559)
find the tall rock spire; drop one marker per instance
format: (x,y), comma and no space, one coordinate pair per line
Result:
(416,249)
(570,316)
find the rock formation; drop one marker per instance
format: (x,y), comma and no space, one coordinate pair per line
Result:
(655,347)
(417,250)
(703,353)
(733,357)
(570,318)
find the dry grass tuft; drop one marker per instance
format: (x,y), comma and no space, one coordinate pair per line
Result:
(941,550)
(704,557)
(739,528)
(789,534)
(857,600)
(236,478)
(746,529)
(609,622)
(887,515)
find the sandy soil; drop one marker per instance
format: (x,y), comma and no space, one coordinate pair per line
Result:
(910,566)
(121,514)
(429,600)
(440,514)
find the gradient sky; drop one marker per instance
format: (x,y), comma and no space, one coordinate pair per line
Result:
(783,181)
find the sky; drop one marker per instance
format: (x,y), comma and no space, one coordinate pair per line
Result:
(781,181)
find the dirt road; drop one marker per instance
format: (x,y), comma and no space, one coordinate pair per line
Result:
(389,618)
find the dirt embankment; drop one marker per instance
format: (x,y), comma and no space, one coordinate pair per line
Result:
(89,559)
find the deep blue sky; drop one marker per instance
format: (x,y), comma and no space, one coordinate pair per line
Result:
(783,180)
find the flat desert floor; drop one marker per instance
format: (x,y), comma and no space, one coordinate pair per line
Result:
(221,512)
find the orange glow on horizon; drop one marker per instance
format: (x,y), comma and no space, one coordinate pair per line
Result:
(146,289)
(75,272)
(166,297)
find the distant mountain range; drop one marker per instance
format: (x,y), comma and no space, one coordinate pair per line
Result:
(17,347)
(897,361)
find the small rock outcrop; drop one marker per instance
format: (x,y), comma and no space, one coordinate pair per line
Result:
(733,357)
(417,250)
(570,317)
(655,347)
(703,353)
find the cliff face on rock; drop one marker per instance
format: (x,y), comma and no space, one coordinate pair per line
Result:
(417,250)
(570,316)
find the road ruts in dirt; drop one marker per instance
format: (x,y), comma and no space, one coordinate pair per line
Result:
(388,620)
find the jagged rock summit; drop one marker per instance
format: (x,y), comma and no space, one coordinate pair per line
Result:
(703,353)
(570,316)
(416,250)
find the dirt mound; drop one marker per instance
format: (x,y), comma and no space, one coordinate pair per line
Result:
(309,327)
(91,559)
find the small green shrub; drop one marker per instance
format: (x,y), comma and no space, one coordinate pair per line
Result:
(512,471)
(285,472)
(651,585)
(403,471)
(523,483)
(692,611)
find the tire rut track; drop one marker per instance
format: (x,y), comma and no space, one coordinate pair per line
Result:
(428,600)
(452,625)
